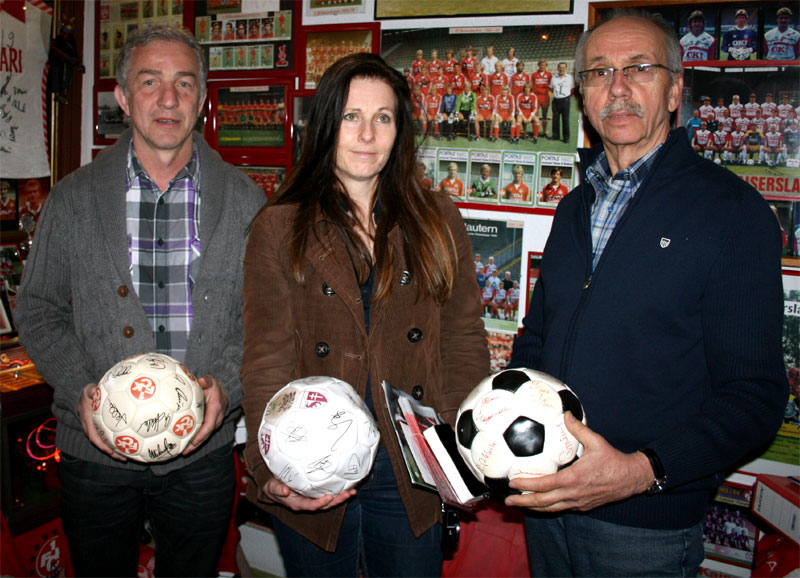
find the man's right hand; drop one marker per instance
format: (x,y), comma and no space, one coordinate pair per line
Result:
(85,414)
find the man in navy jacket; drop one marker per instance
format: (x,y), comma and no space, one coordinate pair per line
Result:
(660,303)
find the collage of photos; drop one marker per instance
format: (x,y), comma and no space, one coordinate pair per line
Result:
(748,120)
(498,177)
(740,32)
(119,18)
(244,41)
(512,88)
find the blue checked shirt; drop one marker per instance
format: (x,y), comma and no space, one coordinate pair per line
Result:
(164,250)
(613,194)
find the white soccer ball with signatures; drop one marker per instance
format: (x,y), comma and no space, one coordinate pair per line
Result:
(512,426)
(318,437)
(148,407)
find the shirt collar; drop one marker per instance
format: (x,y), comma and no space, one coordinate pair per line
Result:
(599,172)
(190,171)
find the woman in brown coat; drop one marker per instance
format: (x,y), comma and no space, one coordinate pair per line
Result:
(355,272)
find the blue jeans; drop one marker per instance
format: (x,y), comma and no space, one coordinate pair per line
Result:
(375,538)
(103,509)
(577,545)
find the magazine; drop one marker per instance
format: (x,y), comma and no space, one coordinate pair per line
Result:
(429,450)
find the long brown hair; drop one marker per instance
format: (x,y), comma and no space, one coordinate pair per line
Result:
(313,186)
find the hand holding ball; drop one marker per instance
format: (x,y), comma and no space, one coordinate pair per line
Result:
(148,407)
(512,426)
(318,437)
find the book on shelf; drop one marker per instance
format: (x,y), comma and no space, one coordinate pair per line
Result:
(777,502)
(429,450)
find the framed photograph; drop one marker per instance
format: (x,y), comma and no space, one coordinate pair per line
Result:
(267,178)
(756,107)
(781,33)
(32,193)
(739,36)
(301,106)
(319,8)
(8,204)
(484,170)
(109,118)
(729,534)
(557,177)
(497,244)
(697,33)
(324,45)
(10,267)
(451,172)
(5,319)
(534,267)
(518,181)
(246,118)
(388,9)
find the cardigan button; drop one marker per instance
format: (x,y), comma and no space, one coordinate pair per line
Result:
(122,291)
(415,335)
(405,278)
(127,331)
(328,290)
(322,349)
(417,392)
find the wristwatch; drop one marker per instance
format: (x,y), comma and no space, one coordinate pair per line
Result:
(659,475)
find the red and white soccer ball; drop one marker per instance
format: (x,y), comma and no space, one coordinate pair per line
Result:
(512,426)
(318,437)
(148,407)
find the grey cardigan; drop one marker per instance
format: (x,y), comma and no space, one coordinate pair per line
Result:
(77,313)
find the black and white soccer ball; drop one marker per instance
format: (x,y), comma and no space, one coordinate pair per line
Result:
(318,437)
(512,426)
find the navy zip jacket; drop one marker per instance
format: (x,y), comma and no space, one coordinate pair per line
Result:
(674,341)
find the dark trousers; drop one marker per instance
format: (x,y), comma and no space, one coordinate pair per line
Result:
(103,509)
(375,538)
(561,118)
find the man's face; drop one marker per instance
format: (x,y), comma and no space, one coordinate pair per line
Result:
(741,21)
(520,66)
(452,170)
(627,115)
(542,66)
(556,177)
(164,96)
(484,172)
(783,22)
(561,69)
(4,190)
(518,175)
(33,192)
(490,51)
(696,26)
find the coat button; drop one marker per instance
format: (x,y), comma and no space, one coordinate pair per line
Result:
(122,291)
(405,278)
(414,335)
(327,290)
(417,393)
(127,331)
(322,349)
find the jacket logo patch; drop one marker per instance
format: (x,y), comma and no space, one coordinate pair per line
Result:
(664,242)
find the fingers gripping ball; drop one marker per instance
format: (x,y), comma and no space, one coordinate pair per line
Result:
(512,426)
(318,437)
(148,407)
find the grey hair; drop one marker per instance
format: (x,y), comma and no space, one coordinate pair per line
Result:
(672,46)
(145,36)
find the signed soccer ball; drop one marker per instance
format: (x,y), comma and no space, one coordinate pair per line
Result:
(512,426)
(148,407)
(318,437)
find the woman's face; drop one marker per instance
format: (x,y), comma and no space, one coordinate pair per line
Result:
(366,134)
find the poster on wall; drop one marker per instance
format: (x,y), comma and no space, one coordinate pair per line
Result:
(316,8)
(324,47)
(250,116)
(24,45)
(437,8)
(484,97)
(745,118)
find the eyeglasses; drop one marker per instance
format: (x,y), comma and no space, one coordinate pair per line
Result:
(637,73)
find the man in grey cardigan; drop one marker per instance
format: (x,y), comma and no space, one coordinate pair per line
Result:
(141,251)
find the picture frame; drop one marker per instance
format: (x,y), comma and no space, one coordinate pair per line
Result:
(268,178)
(398,9)
(109,118)
(327,43)
(247,120)
(6,325)
(9,204)
(10,268)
